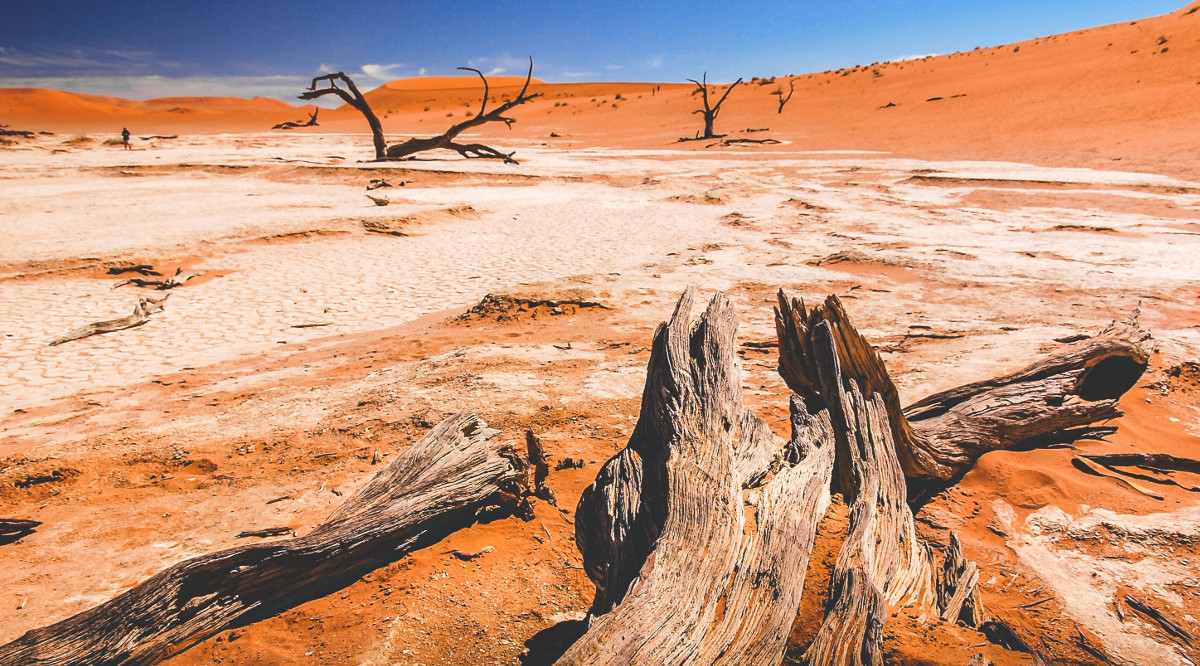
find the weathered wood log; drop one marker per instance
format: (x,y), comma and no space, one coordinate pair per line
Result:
(940,437)
(141,314)
(680,577)
(435,486)
(881,562)
(536,454)
(661,528)
(958,588)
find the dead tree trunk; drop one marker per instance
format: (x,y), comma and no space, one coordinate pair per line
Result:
(784,100)
(444,140)
(661,528)
(710,111)
(882,563)
(435,486)
(940,437)
(470,150)
(354,98)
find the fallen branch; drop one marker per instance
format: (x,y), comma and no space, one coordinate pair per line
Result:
(311,122)
(265,532)
(141,269)
(1159,463)
(176,280)
(435,486)
(141,314)
(1087,465)
(1163,621)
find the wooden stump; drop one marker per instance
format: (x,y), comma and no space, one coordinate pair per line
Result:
(684,573)
(435,486)
(662,529)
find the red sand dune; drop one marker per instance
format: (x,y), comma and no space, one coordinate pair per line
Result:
(1124,95)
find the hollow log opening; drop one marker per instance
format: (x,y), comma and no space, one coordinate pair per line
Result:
(1110,378)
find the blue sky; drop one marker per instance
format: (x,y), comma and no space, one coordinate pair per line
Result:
(142,49)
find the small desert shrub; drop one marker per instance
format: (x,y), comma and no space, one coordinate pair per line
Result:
(113,142)
(79,140)
(618,96)
(426,109)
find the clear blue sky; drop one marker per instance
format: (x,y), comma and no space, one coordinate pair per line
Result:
(145,48)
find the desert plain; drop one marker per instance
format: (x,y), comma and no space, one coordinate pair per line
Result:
(973,211)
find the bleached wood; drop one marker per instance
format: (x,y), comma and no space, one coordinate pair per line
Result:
(432,488)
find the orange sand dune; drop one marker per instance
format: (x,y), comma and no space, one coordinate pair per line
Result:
(1124,95)
(451,82)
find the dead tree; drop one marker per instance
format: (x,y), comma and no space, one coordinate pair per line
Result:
(676,491)
(679,576)
(437,485)
(354,98)
(444,140)
(779,92)
(710,111)
(312,122)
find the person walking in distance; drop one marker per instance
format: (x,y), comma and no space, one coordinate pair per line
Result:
(125,138)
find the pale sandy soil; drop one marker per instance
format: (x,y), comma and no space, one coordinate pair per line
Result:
(143,447)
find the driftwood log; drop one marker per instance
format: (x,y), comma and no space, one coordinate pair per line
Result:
(698,534)
(160,283)
(435,486)
(140,315)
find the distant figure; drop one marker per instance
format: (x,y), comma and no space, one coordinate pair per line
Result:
(125,138)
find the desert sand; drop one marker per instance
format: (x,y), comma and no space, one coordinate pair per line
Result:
(969,209)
